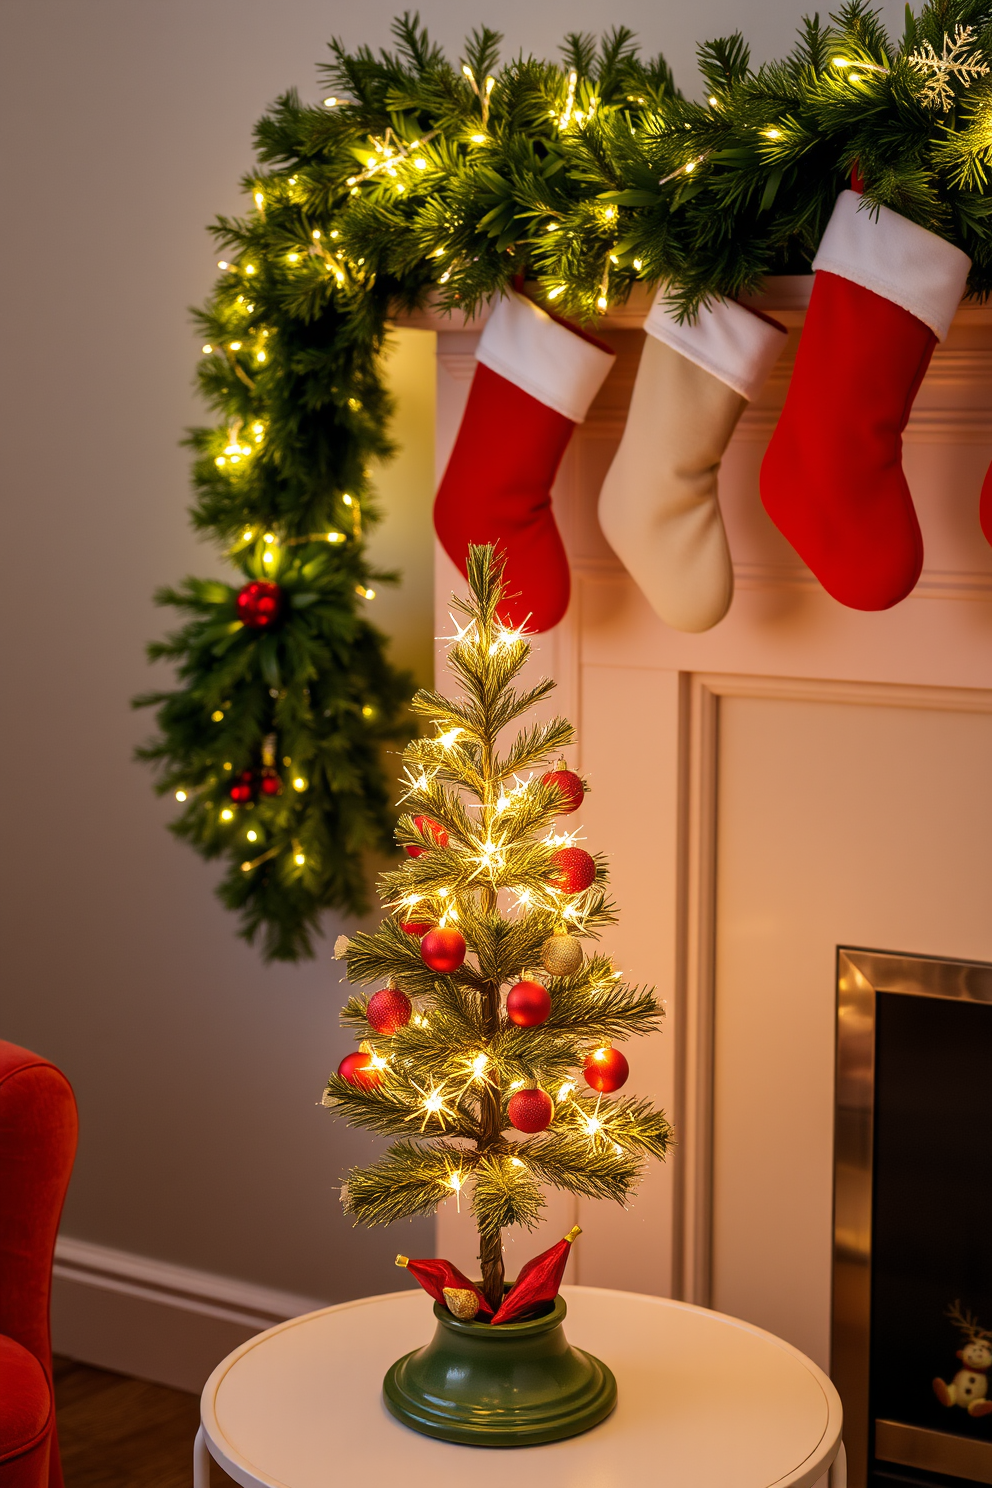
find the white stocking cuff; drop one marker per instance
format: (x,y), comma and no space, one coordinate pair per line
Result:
(895,258)
(556,366)
(733,344)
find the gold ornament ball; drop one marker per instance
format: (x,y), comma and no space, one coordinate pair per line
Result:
(561,955)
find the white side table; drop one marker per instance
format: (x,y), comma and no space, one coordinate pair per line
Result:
(706,1401)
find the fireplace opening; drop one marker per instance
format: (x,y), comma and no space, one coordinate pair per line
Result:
(912,1280)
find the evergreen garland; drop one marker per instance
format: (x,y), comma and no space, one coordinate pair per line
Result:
(420,178)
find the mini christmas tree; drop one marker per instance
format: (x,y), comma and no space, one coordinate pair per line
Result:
(487,1049)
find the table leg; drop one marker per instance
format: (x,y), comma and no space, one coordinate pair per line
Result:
(838,1472)
(201,1462)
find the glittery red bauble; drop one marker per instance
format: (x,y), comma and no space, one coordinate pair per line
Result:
(243,788)
(259,604)
(388,1010)
(530,1110)
(570,788)
(357,1069)
(443,950)
(572,869)
(430,828)
(528,1004)
(606,1070)
(415,927)
(271,785)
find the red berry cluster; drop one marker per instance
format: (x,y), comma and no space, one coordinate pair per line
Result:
(259,605)
(252,782)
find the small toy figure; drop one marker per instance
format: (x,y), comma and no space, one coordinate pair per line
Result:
(969,1387)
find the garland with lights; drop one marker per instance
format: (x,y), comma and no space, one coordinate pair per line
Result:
(445,1063)
(416,178)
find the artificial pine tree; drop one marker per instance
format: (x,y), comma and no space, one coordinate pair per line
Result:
(491,1094)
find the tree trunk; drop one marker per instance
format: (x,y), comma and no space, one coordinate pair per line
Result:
(491,1256)
(490,1136)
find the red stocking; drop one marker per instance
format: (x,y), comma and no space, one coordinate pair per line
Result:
(535,381)
(832,481)
(985,510)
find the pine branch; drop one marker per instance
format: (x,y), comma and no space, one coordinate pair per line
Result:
(411,1179)
(566,1161)
(504,1194)
(396,1106)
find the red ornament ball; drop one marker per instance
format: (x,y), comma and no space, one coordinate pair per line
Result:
(243,788)
(388,1010)
(270,783)
(528,1004)
(430,828)
(415,927)
(259,604)
(572,869)
(530,1110)
(606,1070)
(443,950)
(570,788)
(357,1069)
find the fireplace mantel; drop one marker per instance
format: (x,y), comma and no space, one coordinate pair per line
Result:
(677,734)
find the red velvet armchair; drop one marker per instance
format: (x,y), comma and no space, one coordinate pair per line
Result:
(37,1145)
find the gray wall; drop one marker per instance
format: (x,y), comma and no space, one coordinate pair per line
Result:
(127,126)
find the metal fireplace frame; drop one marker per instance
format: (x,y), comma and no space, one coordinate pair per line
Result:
(861,973)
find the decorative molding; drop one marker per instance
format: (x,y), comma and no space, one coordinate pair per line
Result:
(934,583)
(877,694)
(155,1319)
(695,984)
(959,366)
(951,366)
(926,425)
(459,365)
(177,1286)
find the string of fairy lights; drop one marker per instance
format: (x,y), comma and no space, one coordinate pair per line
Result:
(437,1106)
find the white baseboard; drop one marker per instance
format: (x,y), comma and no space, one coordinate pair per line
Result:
(158,1321)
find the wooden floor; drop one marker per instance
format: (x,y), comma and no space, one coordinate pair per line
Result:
(117,1432)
